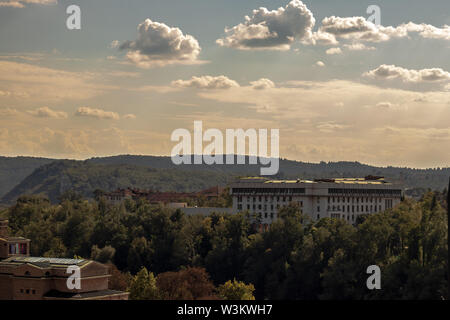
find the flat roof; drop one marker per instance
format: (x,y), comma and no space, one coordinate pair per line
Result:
(364,181)
(50,261)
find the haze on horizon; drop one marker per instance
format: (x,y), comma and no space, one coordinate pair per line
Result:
(338,87)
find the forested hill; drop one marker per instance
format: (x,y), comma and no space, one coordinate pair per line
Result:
(14,170)
(54,177)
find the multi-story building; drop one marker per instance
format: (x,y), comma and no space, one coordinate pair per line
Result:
(39,278)
(344,198)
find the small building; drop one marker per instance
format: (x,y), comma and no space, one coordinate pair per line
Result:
(39,278)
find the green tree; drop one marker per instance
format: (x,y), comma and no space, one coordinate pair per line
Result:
(143,286)
(236,290)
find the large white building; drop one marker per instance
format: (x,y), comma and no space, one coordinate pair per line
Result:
(344,198)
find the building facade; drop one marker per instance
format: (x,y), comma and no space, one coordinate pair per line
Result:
(344,198)
(37,278)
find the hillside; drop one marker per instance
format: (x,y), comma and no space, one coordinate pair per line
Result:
(14,170)
(159,173)
(84,178)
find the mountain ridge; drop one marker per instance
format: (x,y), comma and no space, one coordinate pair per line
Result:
(53,177)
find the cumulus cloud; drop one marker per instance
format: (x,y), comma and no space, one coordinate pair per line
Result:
(408,75)
(358,29)
(46,112)
(206,82)
(20,3)
(159,45)
(96,113)
(262,84)
(271,30)
(334,51)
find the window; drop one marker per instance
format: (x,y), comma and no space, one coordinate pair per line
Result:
(22,248)
(33,291)
(318,216)
(265,215)
(239,206)
(318,208)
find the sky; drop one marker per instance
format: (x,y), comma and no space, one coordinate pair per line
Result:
(338,85)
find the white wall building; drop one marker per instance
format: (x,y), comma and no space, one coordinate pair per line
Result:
(344,198)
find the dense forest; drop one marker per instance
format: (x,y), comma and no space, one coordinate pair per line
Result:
(32,176)
(157,253)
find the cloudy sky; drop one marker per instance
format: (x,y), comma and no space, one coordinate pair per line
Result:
(338,86)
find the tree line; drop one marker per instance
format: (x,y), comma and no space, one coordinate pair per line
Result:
(152,250)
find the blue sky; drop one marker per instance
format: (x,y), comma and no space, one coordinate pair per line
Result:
(382,98)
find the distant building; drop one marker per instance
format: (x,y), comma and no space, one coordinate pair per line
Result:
(343,198)
(37,278)
(166,199)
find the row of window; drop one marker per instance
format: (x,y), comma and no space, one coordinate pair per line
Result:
(268,190)
(28,291)
(259,207)
(364,191)
(353,199)
(18,248)
(267,198)
(369,209)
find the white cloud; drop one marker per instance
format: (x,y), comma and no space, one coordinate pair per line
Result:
(333,51)
(159,45)
(320,64)
(384,104)
(358,47)
(20,3)
(358,29)
(206,82)
(262,84)
(408,75)
(96,113)
(46,112)
(271,30)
